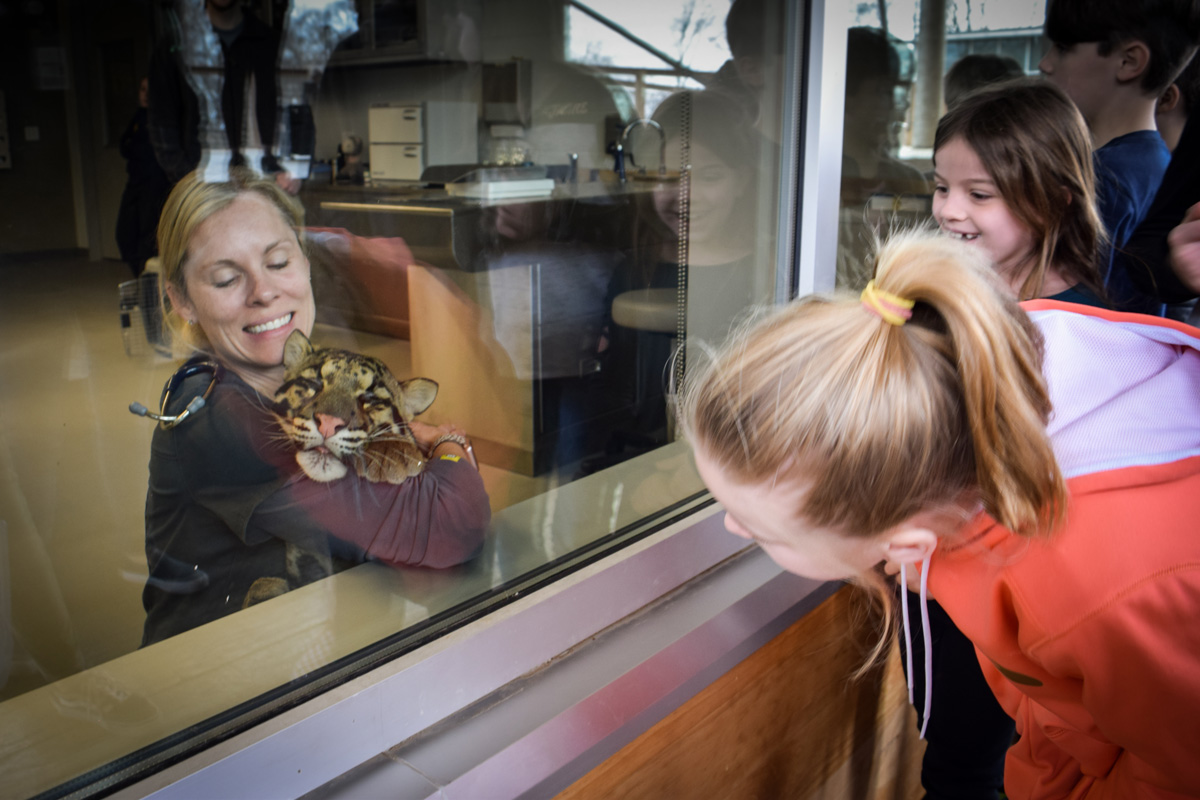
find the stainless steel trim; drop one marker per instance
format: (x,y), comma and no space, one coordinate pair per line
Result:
(822,175)
(310,745)
(338,205)
(790,203)
(586,708)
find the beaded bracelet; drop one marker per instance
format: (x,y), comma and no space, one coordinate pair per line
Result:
(459,440)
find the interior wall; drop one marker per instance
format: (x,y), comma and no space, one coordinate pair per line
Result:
(527,29)
(530,29)
(36,198)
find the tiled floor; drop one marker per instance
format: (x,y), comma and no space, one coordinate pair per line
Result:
(73,466)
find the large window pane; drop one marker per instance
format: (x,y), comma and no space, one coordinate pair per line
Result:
(888,137)
(550,209)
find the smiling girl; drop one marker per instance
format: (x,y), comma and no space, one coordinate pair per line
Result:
(1013,176)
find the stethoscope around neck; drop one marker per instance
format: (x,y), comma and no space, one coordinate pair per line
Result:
(168,421)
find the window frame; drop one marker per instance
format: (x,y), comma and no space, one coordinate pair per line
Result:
(739,600)
(694,562)
(725,598)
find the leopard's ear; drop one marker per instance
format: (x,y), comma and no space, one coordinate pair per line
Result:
(419,394)
(296,349)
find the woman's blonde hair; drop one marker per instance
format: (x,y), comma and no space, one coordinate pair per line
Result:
(191,202)
(1035,145)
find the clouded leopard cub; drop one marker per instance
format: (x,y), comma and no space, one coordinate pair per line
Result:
(342,409)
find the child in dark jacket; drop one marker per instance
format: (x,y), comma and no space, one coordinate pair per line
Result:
(1114,58)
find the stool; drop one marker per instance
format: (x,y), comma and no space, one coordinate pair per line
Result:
(647,310)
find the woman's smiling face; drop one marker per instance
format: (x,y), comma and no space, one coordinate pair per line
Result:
(248,288)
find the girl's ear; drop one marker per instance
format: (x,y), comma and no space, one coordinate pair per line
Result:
(909,544)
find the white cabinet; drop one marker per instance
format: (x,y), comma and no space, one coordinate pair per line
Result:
(405,139)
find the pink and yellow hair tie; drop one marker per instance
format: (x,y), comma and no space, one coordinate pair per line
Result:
(891,308)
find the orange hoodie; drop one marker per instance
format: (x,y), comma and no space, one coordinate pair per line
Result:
(1091,638)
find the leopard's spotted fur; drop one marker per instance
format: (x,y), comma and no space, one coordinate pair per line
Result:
(342,409)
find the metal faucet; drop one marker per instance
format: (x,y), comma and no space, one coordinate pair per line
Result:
(662,142)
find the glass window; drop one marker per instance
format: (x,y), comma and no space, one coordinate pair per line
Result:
(887,138)
(683,41)
(534,205)
(1022,50)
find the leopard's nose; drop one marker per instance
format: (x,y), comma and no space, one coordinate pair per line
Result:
(328,424)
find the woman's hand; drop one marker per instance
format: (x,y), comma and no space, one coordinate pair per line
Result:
(288,183)
(427,437)
(426,434)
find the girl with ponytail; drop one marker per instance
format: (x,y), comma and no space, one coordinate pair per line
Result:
(1036,470)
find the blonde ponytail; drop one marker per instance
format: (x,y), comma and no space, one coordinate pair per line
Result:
(997,353)
(883,420)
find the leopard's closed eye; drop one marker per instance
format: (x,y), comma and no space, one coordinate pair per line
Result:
(344,410)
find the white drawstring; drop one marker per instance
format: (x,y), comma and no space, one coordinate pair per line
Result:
(928,641)
(925,637)
(907,632)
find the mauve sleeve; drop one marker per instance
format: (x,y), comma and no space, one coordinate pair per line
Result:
(436,519)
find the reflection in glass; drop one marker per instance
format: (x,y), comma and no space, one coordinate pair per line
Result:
(395,22)
(881,163)
(548,298)
(879,191)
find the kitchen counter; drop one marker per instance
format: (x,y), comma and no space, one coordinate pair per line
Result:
(445,230)
(489,315)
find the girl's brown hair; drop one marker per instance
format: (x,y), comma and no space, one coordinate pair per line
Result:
(1035,145)
(882,422)
(191,202)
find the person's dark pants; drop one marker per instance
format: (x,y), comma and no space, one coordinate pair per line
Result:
(568,408)
(137,221)
(969,733)
(239,65)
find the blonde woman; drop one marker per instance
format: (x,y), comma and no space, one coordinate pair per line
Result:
(1044,494)
(230,519)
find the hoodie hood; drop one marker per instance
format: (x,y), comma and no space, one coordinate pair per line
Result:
(1123,387)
